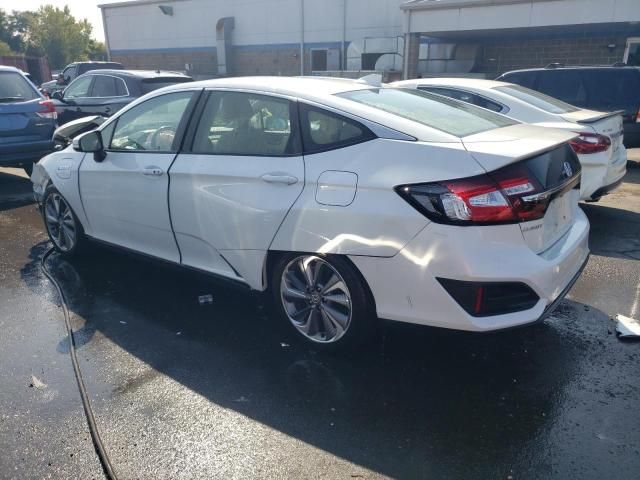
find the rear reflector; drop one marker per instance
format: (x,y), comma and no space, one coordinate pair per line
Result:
(48,110)
(588,143)
(488,299)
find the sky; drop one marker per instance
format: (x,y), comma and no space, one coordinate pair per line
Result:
(79,8)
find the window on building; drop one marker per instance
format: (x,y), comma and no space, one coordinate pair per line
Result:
(465,97)
(319,60)
(235,123)
(151,125)
(323,130)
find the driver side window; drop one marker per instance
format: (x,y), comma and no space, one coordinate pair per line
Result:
(79,88)
(152,125)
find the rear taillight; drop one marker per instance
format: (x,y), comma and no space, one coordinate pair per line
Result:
(509,195)
(48,110)
(590,143)
(638,117)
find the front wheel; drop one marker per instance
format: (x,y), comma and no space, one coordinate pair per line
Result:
(324,300)
(63,227)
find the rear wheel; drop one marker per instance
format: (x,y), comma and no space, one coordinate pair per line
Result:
(323,300)
(63,227)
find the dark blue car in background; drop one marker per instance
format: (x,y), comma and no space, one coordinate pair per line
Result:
(27,121)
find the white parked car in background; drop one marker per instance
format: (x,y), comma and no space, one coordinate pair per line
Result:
(599,146)
(346,200)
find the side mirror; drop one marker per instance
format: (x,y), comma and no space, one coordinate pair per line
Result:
(57,95)
(90,142)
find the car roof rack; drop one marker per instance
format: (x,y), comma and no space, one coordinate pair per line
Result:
(555,65)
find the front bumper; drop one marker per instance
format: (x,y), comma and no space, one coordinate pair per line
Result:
(405,287)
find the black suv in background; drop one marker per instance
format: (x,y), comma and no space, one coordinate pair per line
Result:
(596,88)
(104,92)
(73,71)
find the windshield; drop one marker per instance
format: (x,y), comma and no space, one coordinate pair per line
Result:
(537,99)
(450,116)
(15,88)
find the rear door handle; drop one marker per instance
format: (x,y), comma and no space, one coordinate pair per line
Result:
(153,172)
(279,178)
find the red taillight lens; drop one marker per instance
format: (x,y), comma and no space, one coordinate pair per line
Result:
(48,110)
(508,195)
(638,117)
(590,143)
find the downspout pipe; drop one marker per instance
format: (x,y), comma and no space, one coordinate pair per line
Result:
(344,35)
(407,38)
(302,38)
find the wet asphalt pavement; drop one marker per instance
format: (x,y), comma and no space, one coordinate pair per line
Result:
(181,390)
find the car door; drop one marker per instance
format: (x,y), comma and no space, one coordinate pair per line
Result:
(240,173)
(125,195)
(73,99)
(108,94)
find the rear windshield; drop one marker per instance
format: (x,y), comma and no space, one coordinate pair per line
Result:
(15,88)
(450,116)
(537,99)
(151,84)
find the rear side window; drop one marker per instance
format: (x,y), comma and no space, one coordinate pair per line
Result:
(151,84)
(465,97)
(108,86)
(236,123)
(79,88)
(15,88)
(566,85)
(537,99)
(612,88)
(435,111)
(323,130)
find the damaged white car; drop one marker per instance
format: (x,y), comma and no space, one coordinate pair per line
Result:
(599,145)
(346,201)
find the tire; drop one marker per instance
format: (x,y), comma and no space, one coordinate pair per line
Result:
(28,168)
(323,300)
(62,225)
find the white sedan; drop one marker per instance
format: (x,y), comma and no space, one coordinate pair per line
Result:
(599,146)
(346,201)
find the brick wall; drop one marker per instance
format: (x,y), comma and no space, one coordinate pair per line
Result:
(500,56)
(204,63)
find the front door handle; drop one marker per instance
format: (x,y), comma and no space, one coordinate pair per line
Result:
(153,172)
(279,178)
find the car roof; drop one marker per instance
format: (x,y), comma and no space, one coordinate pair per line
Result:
(322,91)
(138,73)
(7,68)
(475,83)
(575,67)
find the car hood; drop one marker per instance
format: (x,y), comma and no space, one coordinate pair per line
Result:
(494,149)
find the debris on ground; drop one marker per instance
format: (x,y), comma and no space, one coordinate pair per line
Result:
(627,328)
(284,345)
(37,383)
(123,322)
(205,299)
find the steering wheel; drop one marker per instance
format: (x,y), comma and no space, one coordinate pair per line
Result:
(165,129)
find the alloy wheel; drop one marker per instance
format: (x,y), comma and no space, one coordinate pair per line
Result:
(316,299)
(60,222)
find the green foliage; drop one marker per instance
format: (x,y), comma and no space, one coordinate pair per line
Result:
(50,31)
(5,49)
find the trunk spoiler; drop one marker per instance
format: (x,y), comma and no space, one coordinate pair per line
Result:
(597,118)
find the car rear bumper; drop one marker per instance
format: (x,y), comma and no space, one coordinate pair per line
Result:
(405,286)
(21,153)
(601,173)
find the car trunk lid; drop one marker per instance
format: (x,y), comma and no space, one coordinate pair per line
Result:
(552,162)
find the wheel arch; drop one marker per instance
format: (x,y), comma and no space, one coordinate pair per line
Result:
(273,256)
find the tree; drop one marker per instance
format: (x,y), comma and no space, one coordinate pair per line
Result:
(5,50)
(59,35)
(97,51)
